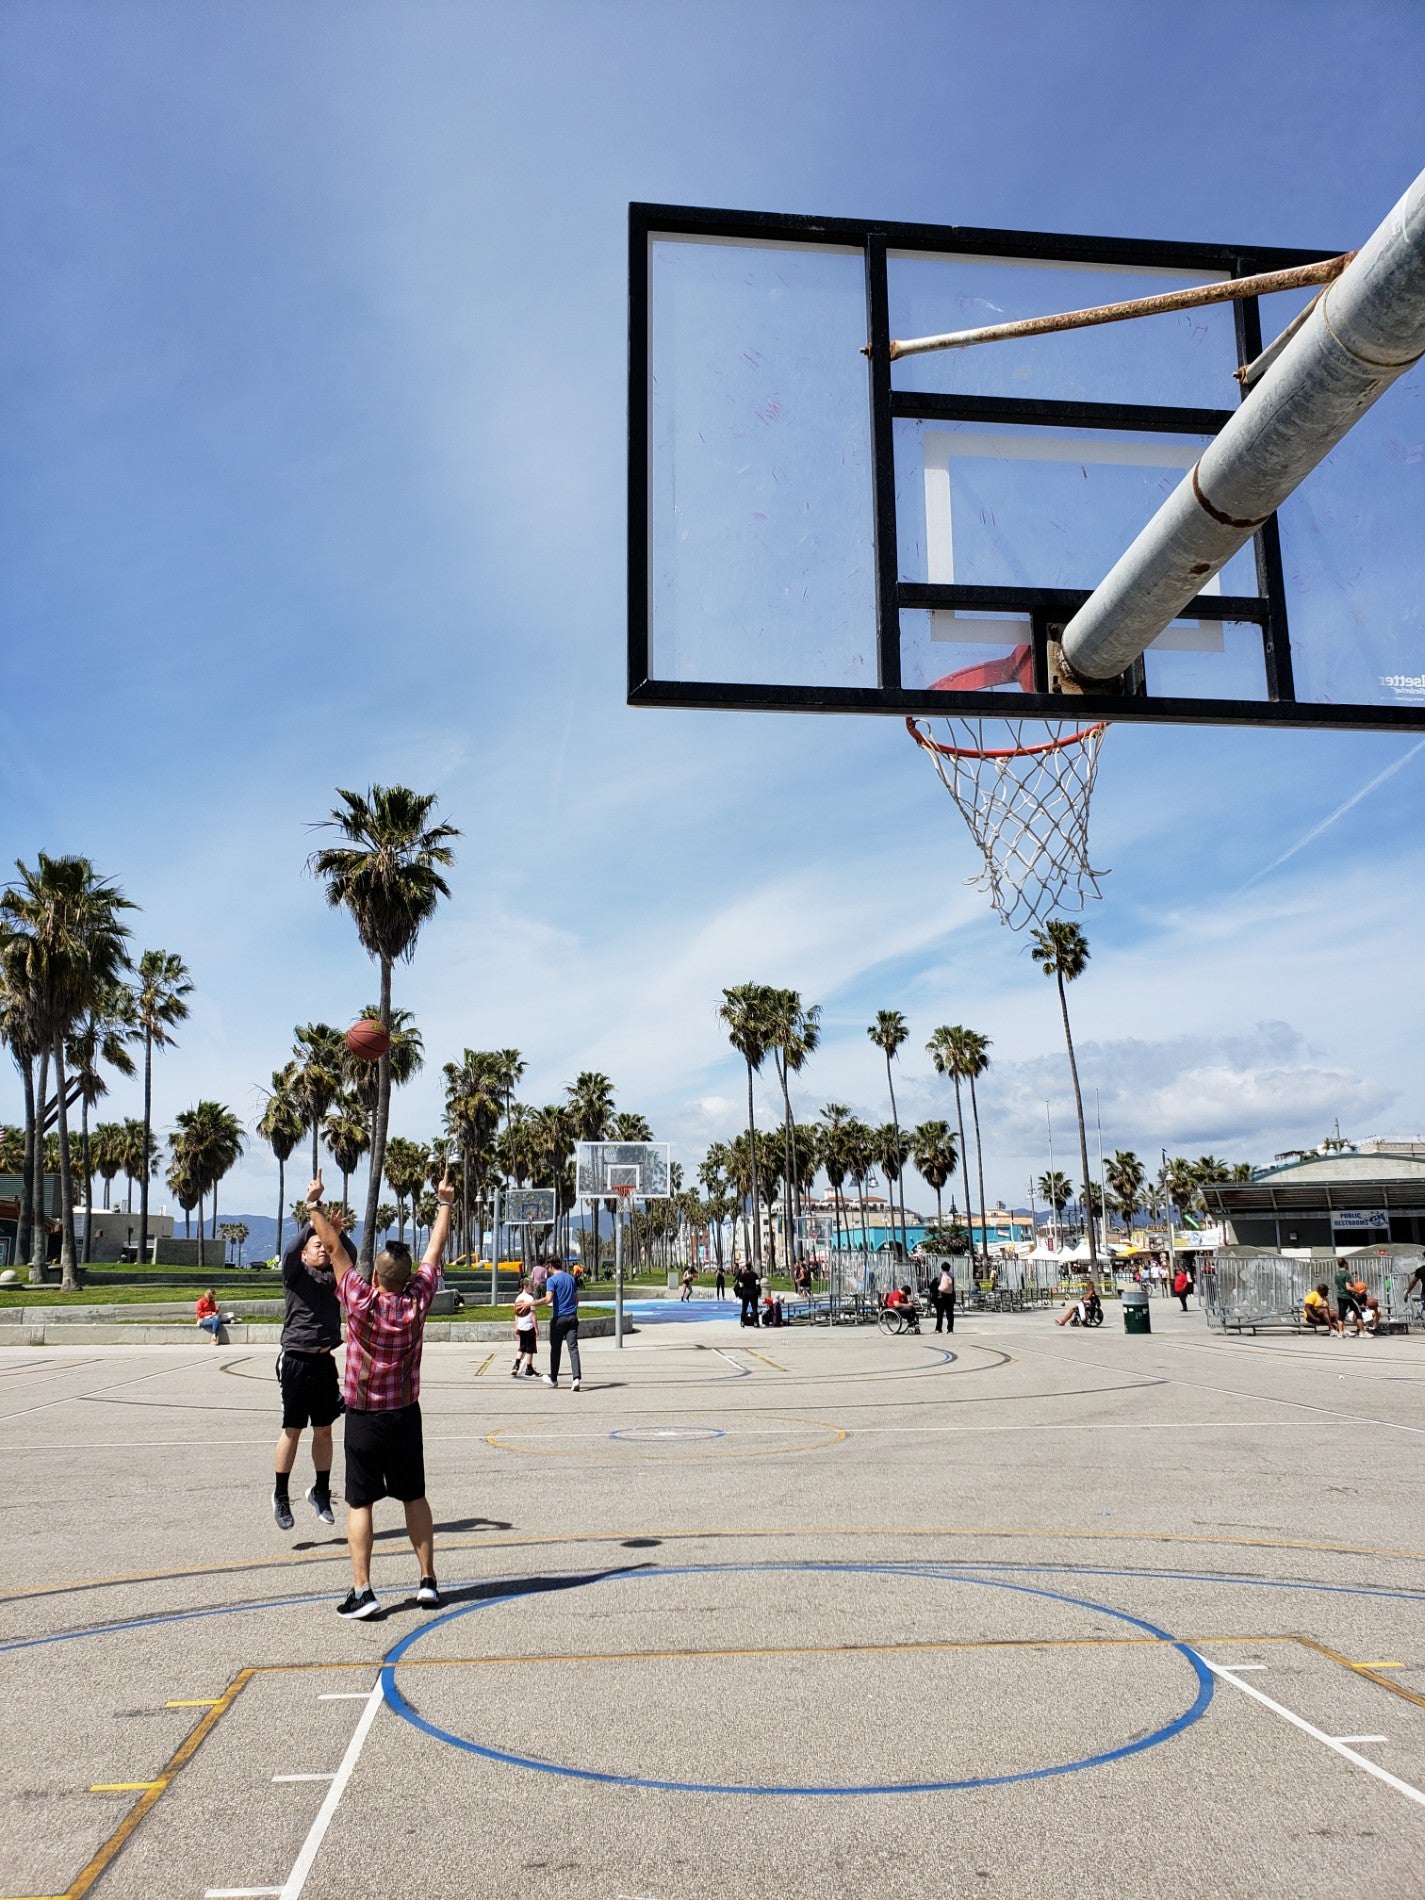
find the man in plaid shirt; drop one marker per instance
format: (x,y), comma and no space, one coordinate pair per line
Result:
(385,1454)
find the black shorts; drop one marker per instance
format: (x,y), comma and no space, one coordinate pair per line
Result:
(311,1394)
(385,1456)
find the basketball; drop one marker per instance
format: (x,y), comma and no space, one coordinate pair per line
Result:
(367,1040)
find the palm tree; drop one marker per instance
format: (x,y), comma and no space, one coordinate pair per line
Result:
(1125,1183)
(160,1001)
(889,1032)
(949,1051)
(207,1140)
(405,1172)
(746,1009)
(1061,950)
(976,1059)
(474,1102)
(387,875)
(858,1151)
(835,1118)
(102,1036)
(317,1069)
(591,1104)
(106,1155)
(140,1154)
(793,1036)
(892,1150)
(282,1126)
(1056,1188)
(934,1155)
(347,1134)
(66,943)
(235,1234)
(183,1185)
(23,1034)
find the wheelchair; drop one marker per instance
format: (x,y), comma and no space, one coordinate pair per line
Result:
(898,1319)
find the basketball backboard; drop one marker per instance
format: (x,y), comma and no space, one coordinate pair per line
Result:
(527,1207)
(607,1169)
(816,527)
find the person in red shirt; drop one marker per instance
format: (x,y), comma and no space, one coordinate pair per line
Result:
(209,1315)
(385,1453)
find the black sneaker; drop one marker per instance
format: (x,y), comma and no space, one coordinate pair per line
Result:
(359,1603)
(429,1593)
(321,1503)
(282,1511)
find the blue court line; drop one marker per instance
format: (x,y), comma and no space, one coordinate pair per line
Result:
(1193,1713)
(945,1570)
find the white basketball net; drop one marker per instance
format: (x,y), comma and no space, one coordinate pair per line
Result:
(1027,805)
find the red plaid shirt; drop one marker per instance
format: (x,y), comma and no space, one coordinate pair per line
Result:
(384,1335)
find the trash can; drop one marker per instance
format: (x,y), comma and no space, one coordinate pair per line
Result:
(1135,1310)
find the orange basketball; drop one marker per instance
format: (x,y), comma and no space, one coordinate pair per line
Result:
(367,1040)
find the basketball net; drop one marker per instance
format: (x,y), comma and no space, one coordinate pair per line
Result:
(1026,803)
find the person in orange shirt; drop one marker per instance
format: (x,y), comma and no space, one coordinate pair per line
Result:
(209,1317)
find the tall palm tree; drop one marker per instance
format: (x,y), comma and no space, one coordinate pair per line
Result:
(1057,1188)
(282,1125)
(184,1187)
(387,874)
(858,1150)
(474,1102)
(347,1134)
(405,1171)
(888,1032)
(160,994)
(66,942)
(23,1035)
(591,1105)
(207,1141)
(101,1037)
(976,1059)
(712,1173)
(1061,950)
(835,1118)
(746,1012)
(949,1052)
(793,1036)
(934,1155)
(140,1155)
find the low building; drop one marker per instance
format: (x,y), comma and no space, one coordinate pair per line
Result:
(1343,1200)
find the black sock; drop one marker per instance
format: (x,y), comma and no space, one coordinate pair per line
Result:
(323,1485)
(279,1485)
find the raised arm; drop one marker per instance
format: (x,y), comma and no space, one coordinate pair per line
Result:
(440,1233)
(325,1229)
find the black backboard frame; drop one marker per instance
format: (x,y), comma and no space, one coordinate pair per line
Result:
(1048,609)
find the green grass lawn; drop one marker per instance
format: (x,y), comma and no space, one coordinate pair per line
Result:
(255,1287)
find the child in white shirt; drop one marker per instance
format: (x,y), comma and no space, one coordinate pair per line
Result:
(526,1334)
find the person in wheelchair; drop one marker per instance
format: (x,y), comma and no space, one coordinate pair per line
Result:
(901,1300)
(1085,1312)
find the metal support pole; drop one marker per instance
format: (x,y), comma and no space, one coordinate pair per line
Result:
(1364,331)
(495,1247)
(618,1276)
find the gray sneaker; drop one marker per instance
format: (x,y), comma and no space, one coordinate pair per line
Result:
(321,1503)
(282,1511)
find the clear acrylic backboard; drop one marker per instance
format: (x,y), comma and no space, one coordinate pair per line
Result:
(605,1170)
(815,527)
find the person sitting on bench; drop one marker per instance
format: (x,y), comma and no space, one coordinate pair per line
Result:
(1316,1311)
(1365,1307)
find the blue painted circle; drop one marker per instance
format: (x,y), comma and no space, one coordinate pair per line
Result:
(666,1434)
(1193,1713)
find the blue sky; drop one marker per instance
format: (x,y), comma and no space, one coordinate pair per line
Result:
(313,335)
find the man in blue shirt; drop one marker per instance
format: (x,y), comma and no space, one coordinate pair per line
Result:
(561,1294)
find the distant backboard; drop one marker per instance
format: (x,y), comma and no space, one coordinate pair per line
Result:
(527,1207)
(642,1169)
(815,528)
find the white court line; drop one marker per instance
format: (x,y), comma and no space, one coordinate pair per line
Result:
(1339,1747)
(76,1397)
(1361,1738)
(236,1893)
(333,1777)
(345,1695)
(302,1866)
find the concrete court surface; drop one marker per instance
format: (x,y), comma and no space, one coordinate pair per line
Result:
(1027,1611)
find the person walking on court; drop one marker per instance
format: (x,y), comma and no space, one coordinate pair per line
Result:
(945,1299)
(688,1278)
(720,1283)
(1182,1286)
(526,1333)
(561,1296)
(306,1366)
(385,1450)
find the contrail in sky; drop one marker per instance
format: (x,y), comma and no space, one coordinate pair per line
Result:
(1340,812)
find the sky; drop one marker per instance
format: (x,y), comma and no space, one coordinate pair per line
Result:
(313,348)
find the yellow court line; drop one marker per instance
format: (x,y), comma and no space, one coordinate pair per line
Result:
(153,1790)
(206,1702)
(121,1787)
(480,1368)
(763,1357)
